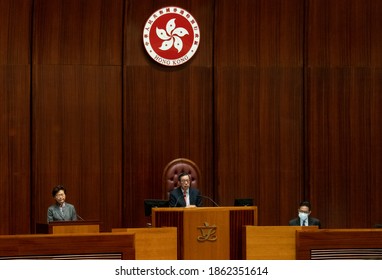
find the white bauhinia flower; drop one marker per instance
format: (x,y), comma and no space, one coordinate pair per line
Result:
(161,33)
(171,36)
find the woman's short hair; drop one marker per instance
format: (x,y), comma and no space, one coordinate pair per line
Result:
(58,188)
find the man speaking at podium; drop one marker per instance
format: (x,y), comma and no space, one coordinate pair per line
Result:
(184,195)
(61,210)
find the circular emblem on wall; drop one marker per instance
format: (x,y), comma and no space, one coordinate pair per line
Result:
(171,36)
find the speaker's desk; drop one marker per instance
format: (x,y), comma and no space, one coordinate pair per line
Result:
(213,233)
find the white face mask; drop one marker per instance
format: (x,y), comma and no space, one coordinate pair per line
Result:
(303,216)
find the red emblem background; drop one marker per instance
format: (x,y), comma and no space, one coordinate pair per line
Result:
(156,42)
(172,56)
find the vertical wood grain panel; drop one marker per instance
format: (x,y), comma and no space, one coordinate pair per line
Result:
(77,107)
(280,103)
(77,139)
(343,90)
(77,32)
(167,111)
(14,149)
(375,202)
(15,24)
(258,88)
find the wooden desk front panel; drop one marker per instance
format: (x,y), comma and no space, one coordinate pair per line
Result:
(170,217)
(206,234)
(183,218)
(271,242)
(339,244)
(68,227)
(68,246)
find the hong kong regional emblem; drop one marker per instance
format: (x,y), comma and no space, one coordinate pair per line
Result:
(171,36)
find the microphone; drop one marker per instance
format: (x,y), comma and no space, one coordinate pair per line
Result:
(177,200)
(78,216)
(210,199)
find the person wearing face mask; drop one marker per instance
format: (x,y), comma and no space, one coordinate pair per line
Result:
(61,210)
(304,218)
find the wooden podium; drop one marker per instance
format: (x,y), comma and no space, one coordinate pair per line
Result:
(63,227)
(213,233)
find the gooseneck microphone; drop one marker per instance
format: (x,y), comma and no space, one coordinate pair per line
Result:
(78,216)
(210,199)
(177,200)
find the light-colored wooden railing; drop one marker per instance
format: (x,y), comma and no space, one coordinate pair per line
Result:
(153,243)
(271,242)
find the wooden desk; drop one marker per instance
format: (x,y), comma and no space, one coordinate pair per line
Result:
(153,243)
(207,232)
(339,244)
(271,242)
(68,246)
(63,227)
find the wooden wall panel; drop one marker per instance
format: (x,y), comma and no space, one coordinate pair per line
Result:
(343,87)
(77,107)
(167,111)
(375,201)
(15,24)
(258,92)
(70,147)
(280,103)
(78,32)
(14,149)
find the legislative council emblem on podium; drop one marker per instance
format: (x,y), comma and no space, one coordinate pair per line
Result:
(207,233)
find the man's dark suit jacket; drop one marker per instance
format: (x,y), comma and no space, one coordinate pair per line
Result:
(177,200)
(311,222)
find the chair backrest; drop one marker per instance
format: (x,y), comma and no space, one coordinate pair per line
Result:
(173,169)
